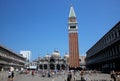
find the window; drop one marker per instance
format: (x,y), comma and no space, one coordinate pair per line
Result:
(72,27)
(119,32)
(118,49)
(115,34)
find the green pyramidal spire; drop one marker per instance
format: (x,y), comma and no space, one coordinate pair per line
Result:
(72,13)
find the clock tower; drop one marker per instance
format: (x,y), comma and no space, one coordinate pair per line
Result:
(73,40)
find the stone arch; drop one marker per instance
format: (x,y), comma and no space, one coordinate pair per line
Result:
(45,66)
(41,66)
(58,66)
(52,66)
(63,66)
(52,60)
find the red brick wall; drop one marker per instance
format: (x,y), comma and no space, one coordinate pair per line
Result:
(73,50)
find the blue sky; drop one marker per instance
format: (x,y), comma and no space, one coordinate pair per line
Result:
(41,25)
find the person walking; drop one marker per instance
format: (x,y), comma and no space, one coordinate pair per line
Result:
(10,75)
(33,72)
(69,77)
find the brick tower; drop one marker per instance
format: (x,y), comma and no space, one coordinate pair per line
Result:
(73,40)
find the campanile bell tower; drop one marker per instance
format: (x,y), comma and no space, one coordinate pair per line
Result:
(73,40)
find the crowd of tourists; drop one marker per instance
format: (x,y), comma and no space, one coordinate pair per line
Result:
(10,75)
(69,75)
(115,75)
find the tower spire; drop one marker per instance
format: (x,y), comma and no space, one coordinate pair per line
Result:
(72,13)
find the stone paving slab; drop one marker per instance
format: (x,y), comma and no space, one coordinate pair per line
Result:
(63,77)
(3,76)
